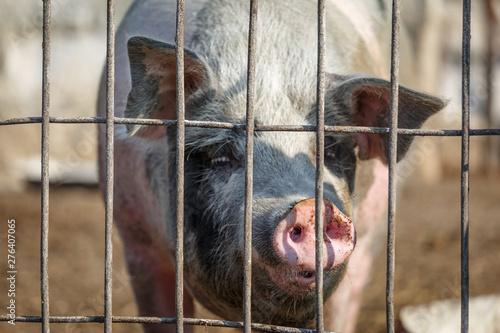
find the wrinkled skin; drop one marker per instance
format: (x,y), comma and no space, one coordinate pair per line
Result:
(355,186)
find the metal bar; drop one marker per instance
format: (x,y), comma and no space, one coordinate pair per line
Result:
(393,140)
(44,235)
(110,113)
(258,127)
(250,124)
(466,36)
(320,159)
(179,209)
(161,320)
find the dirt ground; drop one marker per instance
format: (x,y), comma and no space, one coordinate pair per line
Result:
(427,253)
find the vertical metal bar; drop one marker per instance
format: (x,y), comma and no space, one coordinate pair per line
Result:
(250,125)
(466,36)
(179,246)
(110,114)
(320,157)
(44,236)
(393,140)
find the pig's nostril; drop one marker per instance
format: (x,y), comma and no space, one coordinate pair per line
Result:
(295,233)
(329,231)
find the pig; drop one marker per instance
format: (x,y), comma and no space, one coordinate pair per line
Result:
(283,251)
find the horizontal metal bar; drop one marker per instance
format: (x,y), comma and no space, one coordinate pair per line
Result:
(159,320)
(37,120)
(260,128)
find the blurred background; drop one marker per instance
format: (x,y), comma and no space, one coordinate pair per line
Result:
(428,230)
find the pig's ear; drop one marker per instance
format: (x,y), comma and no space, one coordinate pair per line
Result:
(365,101)
(153,93)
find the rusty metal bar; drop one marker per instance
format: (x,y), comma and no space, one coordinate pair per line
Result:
(110,113)
(250,124)
(44,234)
(320,161)
(393,144)
(466,36)
(179,208)
(161,320)
(258,127)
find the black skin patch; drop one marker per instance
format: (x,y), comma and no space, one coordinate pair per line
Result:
(196,194)
(219,287)
(340,158)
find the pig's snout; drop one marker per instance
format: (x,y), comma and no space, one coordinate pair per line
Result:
(294,239)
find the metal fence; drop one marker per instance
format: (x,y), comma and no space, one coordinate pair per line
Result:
(110,120)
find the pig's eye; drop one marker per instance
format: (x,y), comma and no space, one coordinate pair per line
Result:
(331,152)
(219,161)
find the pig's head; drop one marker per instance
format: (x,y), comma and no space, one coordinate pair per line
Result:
(284,174)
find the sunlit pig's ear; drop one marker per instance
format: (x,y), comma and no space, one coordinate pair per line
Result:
(364,100)
(153,93)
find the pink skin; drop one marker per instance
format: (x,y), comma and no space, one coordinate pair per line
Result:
(343,306)
(294,242)
(136,210)
(137,215)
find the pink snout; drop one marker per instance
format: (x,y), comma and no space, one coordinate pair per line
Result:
(294,238)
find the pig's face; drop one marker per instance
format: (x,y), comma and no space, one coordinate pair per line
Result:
(284,177)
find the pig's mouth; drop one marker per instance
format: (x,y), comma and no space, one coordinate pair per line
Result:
(293,282)
(296,282)
(307,274)
(306,279)
(303,282)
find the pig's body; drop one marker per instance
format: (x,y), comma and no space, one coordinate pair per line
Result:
(216,33)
